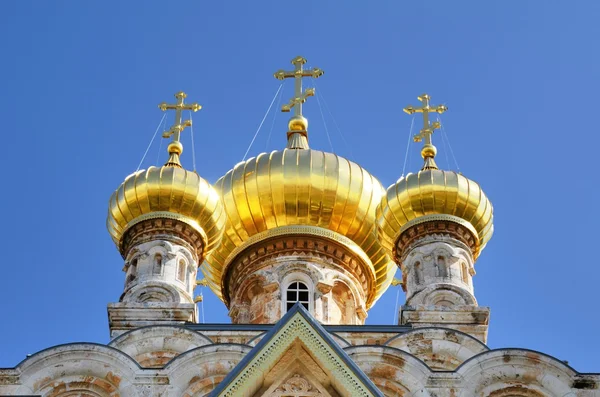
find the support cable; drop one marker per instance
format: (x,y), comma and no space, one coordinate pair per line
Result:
(150,144)
(395,320)
(412,123)
(449,145)
(348,147)
(164,128)
(324,122)
(202,305)
(193,146)
(275,113)
(262,121)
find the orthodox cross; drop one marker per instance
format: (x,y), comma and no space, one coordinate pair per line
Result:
(179,125)
(428,127)
(298,73)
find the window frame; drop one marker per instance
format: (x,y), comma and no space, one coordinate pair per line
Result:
(297,278)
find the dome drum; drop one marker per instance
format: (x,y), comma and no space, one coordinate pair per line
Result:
(164,227)
(440,224)
(315,243)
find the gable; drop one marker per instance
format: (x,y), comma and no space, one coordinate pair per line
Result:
(297,343)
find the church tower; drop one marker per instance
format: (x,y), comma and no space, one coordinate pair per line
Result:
(435,224)
(301,228)
(164,220)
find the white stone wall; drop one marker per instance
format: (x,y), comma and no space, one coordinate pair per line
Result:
(160,271)
(433,362)
(438,271)
(334,295)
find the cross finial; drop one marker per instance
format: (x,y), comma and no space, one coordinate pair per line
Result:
(298,124)
(175,147)
(429,151)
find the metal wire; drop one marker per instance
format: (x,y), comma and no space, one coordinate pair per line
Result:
(160,143)
(395,320)
(348,147)
(448,140)
(262,121)
(324,123)
(275,113)
(150,144)
(193,146)
(412,123)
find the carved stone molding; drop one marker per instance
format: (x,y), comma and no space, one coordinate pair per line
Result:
(311,248)
(296,386)
(164,229)
(440,227)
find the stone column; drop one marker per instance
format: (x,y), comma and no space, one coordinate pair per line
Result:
(438,268)
(160,277)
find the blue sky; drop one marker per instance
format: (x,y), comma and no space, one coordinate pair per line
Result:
(81,81)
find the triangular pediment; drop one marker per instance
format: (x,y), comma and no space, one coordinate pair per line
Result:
(297,357)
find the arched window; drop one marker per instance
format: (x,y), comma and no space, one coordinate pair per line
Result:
(297,292)
(181,271)
(442,269)
(417,270)
(131,272)
(465,274)
(157,266)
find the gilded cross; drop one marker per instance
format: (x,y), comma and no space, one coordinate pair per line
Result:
(298,73)
(179,125)
(428,127)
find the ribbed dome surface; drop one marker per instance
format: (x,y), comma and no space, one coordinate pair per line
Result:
(434,192)
(166,192)
(300,187)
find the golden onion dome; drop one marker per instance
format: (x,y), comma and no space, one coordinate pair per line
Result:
(282,190)
(168,192)
(433,194)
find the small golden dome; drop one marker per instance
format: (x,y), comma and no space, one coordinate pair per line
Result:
(166,192)
(284,189)
(433,194)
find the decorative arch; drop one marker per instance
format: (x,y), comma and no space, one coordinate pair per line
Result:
(442,349)
(523,371)
(155,346)
(152,292)
(393,371)
(443,293)
(198,371)
(58,371)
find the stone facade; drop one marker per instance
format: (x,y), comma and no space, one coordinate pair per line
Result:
(183,361)
(335,279)
(437,268)
(160,277)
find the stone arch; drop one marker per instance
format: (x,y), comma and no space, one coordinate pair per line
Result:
(393,371)
(442,294)
(343,343)
(78,369)
(155,291)
(155,346)
(198,371)
(345,304)
(442,349)
(519,371)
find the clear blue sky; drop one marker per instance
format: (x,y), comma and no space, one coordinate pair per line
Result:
(81,81)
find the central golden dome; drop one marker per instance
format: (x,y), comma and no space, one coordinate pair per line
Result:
(282,189)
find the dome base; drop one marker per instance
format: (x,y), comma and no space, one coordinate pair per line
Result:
(337,283)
